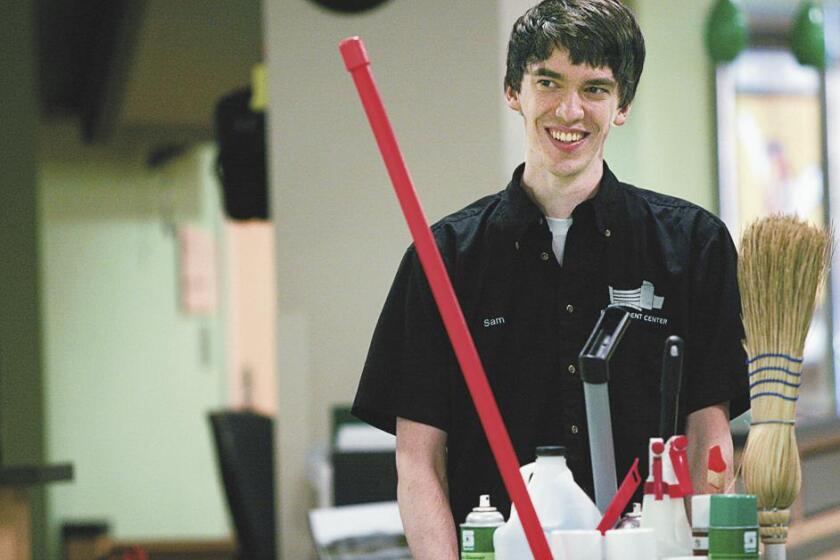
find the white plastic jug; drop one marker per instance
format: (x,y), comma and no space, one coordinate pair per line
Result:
(560,504)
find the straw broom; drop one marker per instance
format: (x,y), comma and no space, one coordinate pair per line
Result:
(782,264)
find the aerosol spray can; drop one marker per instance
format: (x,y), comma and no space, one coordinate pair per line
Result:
(477,531)
(633,519)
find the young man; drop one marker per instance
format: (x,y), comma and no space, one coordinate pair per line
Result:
(533,266)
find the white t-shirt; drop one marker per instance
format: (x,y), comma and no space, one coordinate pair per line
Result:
(559,229)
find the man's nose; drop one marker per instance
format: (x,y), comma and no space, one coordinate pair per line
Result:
(570,108)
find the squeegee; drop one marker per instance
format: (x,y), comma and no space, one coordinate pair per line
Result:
(594,362)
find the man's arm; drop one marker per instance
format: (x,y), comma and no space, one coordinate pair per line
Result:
(423,491)
(706,428)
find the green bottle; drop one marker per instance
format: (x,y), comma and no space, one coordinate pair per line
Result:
(477,531)
(733,527)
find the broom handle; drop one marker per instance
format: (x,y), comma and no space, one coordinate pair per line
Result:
(357,63)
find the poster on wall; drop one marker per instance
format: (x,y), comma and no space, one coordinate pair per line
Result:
(197,270)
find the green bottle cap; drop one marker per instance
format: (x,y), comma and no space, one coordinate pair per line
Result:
(733,510)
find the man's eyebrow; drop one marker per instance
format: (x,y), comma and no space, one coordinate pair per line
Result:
(543,71)
(601,82)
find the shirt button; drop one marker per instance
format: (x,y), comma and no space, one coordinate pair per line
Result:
(607,233)
(544,256)
(570,308)
(572,369)
(574,429)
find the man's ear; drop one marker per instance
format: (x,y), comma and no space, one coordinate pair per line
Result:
(512,99)
(621,116)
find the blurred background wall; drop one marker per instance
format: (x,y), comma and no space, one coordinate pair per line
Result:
(128,374)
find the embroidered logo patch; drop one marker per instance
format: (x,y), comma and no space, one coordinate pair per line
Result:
(642,298)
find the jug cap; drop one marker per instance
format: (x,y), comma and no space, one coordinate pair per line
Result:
(551,451)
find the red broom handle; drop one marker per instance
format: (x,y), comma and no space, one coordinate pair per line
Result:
(357,63)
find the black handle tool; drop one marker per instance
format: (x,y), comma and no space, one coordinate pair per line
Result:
(669,389)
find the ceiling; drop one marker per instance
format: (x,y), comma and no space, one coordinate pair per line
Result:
(144,63)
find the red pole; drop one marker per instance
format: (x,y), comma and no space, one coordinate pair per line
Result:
(357,63)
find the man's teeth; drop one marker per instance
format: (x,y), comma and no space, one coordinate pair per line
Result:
(568,137)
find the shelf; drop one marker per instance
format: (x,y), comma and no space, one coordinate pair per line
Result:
(29,475)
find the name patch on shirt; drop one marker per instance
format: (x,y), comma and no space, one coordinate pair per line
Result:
(494,322)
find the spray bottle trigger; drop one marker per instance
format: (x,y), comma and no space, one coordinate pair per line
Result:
(679,460)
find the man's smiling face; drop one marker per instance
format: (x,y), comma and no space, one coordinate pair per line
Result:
(568,110)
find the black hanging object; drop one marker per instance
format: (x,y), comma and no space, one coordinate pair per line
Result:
(241,166)
(349,6)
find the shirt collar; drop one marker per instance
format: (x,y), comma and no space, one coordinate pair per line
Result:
(517,211)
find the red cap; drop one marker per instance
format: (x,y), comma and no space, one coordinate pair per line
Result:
(716,462)
(657,447)
(353,52)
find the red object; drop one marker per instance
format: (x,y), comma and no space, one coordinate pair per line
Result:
(679,461)
(716,462)
(658,484)
(621,499)
(673,490)
(358,64)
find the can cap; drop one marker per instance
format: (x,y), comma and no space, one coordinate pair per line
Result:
(484,504)
(551,451)
(733,510)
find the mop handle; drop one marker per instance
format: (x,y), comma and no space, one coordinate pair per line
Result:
(355,59)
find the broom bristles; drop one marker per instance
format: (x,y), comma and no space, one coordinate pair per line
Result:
(782,264)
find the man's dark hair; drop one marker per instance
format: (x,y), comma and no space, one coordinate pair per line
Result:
(599,33)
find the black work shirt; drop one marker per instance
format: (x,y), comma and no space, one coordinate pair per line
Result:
(530,317)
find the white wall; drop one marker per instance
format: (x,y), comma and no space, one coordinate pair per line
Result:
(340,233)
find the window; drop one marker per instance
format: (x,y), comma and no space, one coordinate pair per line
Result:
(772,136)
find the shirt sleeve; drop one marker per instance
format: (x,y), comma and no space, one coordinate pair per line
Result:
(406,372)
(715,356)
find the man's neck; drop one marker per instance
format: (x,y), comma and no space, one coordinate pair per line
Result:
(556,197)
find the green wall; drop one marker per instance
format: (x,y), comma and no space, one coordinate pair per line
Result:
(668,142)
(129,376)
(21,388)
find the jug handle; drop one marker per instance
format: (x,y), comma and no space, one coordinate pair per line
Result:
(527,471)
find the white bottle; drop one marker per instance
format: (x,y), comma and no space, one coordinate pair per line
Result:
(666,516)
(559,502)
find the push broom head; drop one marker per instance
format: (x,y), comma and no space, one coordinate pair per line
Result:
(782,264)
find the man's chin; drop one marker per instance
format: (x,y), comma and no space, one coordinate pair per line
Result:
(566,170)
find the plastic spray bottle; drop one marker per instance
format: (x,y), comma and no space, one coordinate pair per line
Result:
(663,509)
